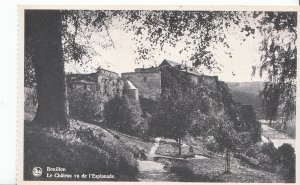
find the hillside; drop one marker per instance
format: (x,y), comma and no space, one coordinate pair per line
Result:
(84,148)
(87,147)
(247,93)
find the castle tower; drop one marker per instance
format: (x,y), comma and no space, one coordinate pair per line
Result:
(131,91)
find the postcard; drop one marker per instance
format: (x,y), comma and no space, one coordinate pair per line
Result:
(159,94)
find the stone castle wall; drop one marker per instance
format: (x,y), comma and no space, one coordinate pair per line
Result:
(109,84)
(104,84)
(148,83)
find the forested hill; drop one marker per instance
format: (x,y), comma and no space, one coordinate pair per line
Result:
(247,93)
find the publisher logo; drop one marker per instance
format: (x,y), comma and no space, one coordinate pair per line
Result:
(37,171)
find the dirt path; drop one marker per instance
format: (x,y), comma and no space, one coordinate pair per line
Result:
(151,170)
(156,145)
(277,137)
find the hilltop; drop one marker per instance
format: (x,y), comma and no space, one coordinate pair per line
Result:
(248,93)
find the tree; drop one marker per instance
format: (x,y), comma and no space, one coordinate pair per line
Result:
(286,154)
(175,115)
(55,37)
(43,40)
(195,31)
(278,62)
(202,125)
(226,137)
(49,43)
(125,115)
(84,105)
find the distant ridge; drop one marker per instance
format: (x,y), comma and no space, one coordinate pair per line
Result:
(248,93)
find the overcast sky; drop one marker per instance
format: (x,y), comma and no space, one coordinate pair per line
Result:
(120,58)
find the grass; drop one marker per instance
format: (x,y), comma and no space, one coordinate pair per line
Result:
(169,147)
(214,168)
(105,152)
(132,142)
(211,169)
(49,148)
(111,152)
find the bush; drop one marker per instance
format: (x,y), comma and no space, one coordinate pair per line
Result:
(286,154)
(270,150)
(251,152)
(46,147)
(84,105)
(263,159)
(125,115)
(87,135)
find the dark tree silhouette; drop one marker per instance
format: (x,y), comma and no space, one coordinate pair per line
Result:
(279,63)
(43,39)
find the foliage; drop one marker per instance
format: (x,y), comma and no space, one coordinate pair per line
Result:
(125,115)
(270,150)
(202,125)
(287,157)
(29,73)
(196,30)
(250,123)
(87,135)
(30,96)
(243,117)
(278,63)
(99,153)
(176,109)
(281,160)
(83,104)
(226,135)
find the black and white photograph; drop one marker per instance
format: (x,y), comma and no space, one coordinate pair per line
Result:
(158,94)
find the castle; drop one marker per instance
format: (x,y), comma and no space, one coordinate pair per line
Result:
(154,81)
(149,86)
(146,83)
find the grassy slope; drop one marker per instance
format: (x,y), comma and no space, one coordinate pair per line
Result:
(48,148)
(114,153)
(211,169)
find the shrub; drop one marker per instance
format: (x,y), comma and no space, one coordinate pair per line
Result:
(125,115)
(84,105)
(251,152)
(48,147)
(263,158)
(87,135)
(286,155)
(270,150)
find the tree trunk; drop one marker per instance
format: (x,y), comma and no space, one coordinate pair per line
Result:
(204,146)
(43,38)
(227,162)
(179,146)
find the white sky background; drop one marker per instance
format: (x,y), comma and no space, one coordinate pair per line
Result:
(120,58)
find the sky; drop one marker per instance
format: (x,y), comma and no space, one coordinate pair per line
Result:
(120,57)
